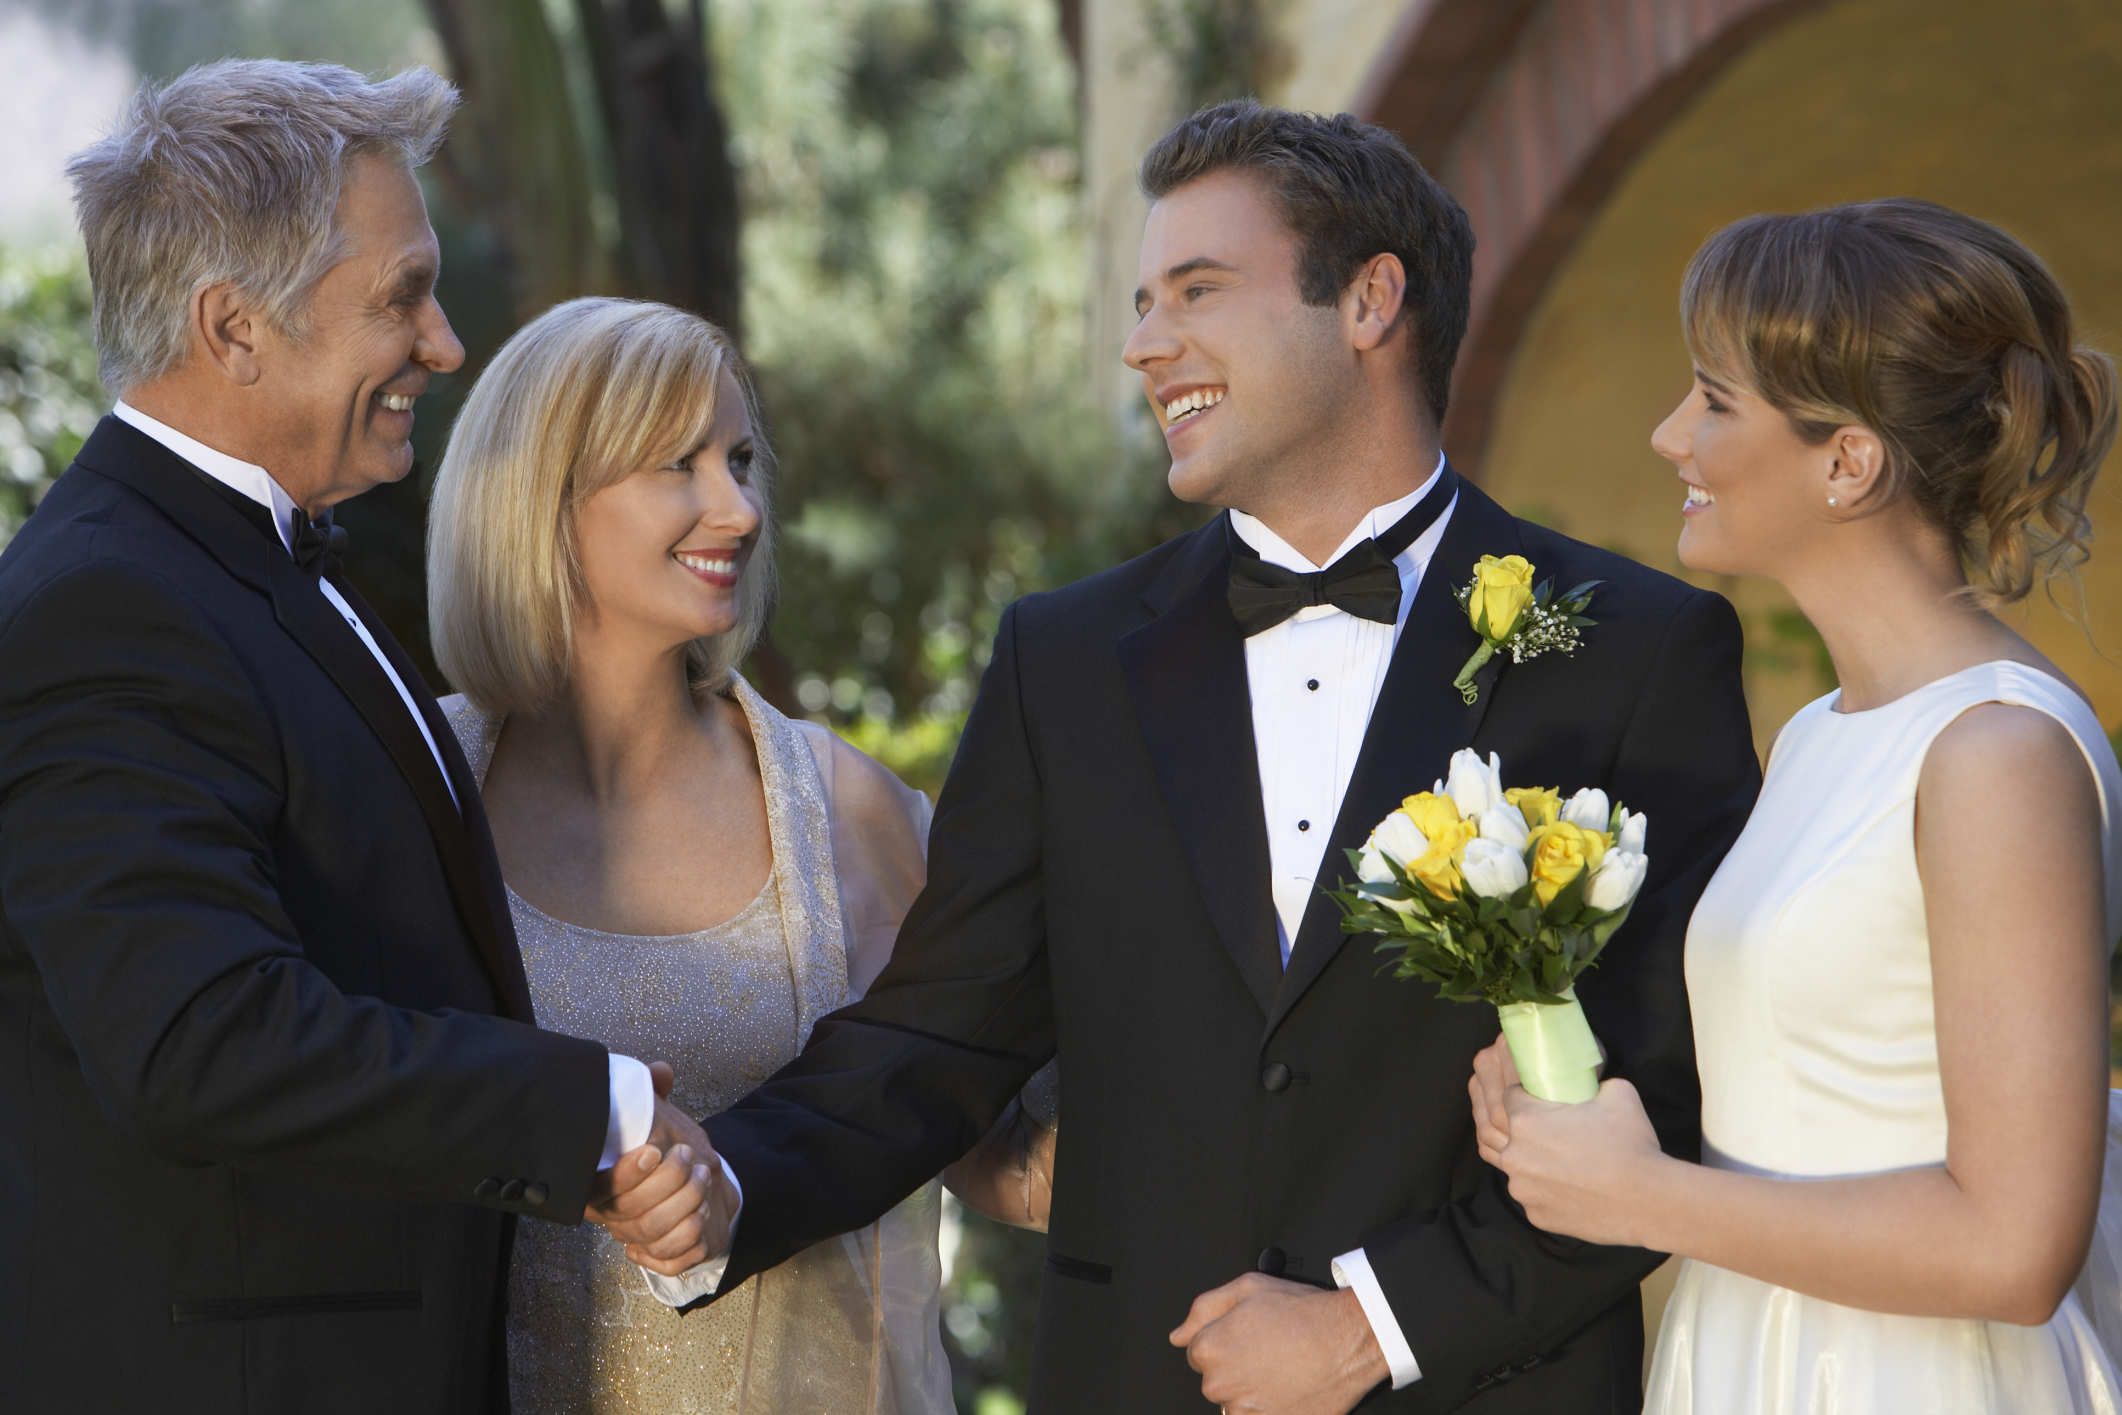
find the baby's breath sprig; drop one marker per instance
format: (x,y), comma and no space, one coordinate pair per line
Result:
(1508,611)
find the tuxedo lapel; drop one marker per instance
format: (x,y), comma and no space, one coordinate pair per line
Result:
(185,494)
(1185,670)
(313,623)
(497,940)
(1419,721)
(195,504)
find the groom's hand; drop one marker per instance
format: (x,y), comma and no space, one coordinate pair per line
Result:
(668,1201)
(1269,1347)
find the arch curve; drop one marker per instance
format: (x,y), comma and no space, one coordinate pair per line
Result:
(1531,111)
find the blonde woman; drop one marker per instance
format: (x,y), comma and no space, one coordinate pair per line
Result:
(694,876)
(1899,974)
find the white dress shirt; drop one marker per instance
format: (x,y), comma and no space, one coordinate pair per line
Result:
(1314,679)
(633,1095)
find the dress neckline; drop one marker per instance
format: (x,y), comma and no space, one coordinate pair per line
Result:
(733,921)
(1831,704)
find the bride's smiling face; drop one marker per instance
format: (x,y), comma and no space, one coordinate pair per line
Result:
(1754,490)
(664,548)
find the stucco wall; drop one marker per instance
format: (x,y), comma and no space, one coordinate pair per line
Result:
(2012,112)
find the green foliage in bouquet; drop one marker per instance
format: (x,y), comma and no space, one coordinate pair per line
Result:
(1502,950)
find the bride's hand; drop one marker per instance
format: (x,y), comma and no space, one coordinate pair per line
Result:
(1583,1170)
(1495,1072)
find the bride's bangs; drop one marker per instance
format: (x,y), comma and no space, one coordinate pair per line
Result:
(1763,307)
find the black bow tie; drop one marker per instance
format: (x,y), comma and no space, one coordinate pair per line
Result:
(1364,582)
(316,540)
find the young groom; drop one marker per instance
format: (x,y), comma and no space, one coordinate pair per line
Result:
(1268,1193)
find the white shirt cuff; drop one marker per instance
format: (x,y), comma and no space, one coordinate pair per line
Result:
(1352,1269)
(702,1279)
(633,1112)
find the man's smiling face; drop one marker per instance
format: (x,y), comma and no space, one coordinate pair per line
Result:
(340,419)
(1243,374)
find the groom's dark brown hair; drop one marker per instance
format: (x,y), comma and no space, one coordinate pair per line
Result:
(1349,190)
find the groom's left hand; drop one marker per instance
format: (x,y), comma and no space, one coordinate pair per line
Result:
(1269,1347)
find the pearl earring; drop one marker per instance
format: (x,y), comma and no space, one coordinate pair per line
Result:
(1832,502)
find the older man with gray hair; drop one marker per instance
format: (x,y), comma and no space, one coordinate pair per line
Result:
(271,1096)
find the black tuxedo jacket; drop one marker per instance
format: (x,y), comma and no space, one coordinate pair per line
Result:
(1098,882)
(270,1094)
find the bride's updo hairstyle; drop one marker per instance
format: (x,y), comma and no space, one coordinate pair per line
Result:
(1944,336)
(581,397)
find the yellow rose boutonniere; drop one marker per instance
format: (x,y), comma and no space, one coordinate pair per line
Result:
(1501,590)
(1508,611)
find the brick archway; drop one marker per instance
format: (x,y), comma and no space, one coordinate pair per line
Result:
(1531,111)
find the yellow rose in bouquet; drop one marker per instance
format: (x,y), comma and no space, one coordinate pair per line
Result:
(1538,806)
(1433,813)
(1560,853)
(1503,895)
(1440,867)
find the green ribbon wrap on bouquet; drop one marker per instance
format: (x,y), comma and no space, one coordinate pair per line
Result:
(1552,1043)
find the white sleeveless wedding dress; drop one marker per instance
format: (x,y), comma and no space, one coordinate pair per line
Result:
(1808,969)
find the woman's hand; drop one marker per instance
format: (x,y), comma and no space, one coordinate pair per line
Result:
(1584,1170)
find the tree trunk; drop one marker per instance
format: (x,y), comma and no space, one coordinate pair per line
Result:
(514,159)
(671,173)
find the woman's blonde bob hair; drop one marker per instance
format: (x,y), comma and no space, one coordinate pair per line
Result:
(581,397)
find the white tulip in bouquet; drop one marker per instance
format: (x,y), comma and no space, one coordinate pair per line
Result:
(1504,896)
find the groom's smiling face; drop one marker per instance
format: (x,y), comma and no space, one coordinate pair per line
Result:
(1244,376)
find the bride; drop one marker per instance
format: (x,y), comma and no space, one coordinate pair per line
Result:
(693,876)
(1899,973)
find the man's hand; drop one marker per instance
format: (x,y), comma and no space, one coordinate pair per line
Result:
(667,1201)
(1265,1345)
(1495,1072)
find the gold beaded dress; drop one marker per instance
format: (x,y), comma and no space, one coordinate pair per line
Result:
(848,1327)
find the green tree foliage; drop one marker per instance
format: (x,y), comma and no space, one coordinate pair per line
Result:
(49,394)
(165,37)
(990,1307)
(915,259)
(1218,49)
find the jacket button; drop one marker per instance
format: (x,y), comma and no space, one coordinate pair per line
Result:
(535,1195)
(512,1191)
(486,1188)
(1273,1262)
(1275,1077)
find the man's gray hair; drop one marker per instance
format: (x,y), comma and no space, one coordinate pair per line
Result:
(232,172)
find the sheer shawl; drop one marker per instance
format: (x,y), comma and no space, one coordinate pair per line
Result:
(891,1271)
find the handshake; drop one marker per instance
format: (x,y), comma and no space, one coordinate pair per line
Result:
(669,1201)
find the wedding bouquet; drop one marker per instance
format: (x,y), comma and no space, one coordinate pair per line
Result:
(1505,896)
